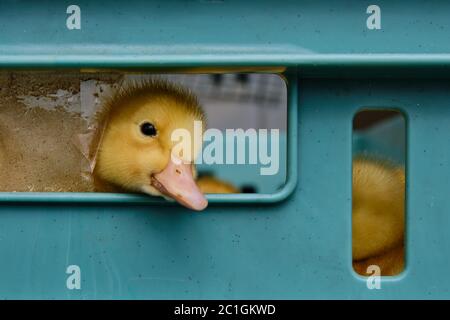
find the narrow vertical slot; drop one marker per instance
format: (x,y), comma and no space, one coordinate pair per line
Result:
(378,192)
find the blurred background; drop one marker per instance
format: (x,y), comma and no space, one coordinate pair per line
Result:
(380,134)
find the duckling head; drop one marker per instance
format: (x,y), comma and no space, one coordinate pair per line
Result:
(137,147)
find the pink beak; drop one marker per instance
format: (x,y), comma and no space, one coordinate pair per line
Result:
(177,182)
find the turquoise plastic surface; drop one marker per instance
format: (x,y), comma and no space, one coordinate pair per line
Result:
(293,244)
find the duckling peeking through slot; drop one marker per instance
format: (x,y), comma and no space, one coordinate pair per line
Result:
(111,132)
(157,108)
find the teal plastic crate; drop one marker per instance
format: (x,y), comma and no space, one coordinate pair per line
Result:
(293,244)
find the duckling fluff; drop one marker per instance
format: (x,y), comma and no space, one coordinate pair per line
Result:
(135,145)
(378,216)
(208,184)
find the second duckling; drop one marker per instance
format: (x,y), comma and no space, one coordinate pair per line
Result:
(378,216)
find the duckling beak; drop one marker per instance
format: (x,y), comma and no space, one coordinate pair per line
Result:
(177,182)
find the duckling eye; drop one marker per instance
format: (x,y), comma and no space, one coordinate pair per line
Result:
(148,129)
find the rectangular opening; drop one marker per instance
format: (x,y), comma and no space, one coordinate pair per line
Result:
(53,133)
(378,196)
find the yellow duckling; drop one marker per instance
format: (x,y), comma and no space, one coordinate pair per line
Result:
(378,216)
(133,143)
